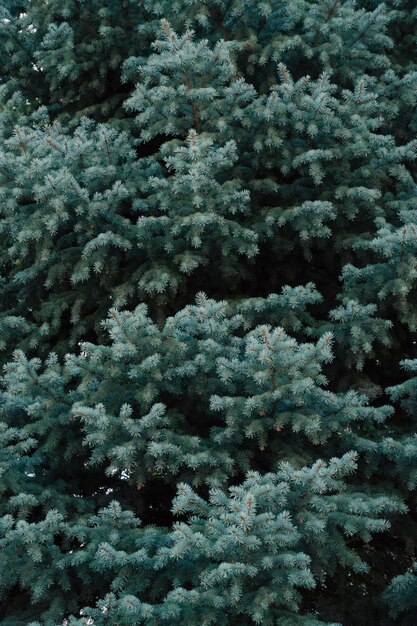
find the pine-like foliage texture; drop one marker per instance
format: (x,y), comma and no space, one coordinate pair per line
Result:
(208,313)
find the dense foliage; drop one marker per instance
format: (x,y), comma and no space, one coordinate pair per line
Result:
(208,312)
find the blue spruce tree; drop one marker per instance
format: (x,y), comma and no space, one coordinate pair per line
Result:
(208,280)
